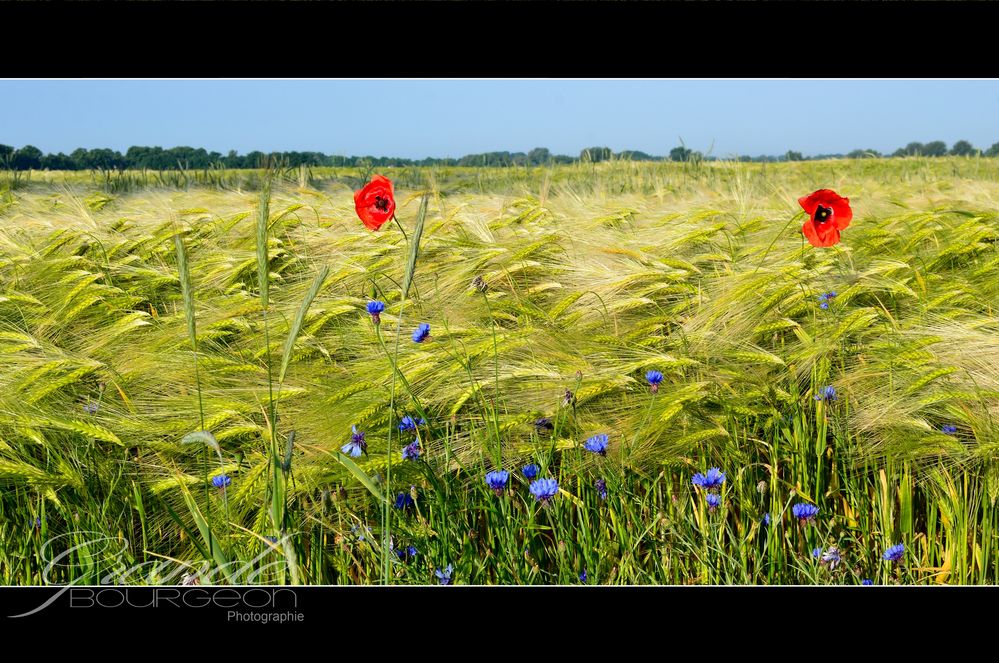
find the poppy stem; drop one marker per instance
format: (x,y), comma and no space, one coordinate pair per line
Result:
(401,229)
(767,252)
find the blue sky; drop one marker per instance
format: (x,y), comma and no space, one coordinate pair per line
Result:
(439,118)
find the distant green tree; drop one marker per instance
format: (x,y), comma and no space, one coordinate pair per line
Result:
(58,162)
(936,148)
(993,151)
(188,157)
(153,158)
(254,159)
(679,154)
(860,154)
(596,154)
(793,156)
(539,156)
(105,159)
(910,150)
(636,155)
(963,148)
(27,157)
(79,157)
(233,160)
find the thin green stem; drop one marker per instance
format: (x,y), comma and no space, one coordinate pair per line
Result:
(386,536)
(394,361)
(496,398)
(401,229)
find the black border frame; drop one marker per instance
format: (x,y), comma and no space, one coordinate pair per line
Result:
(475,39)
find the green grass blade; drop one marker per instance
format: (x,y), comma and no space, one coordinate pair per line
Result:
(361,476)
(296,326)
(186,290)
(263,263)
(203,528)
(414,247)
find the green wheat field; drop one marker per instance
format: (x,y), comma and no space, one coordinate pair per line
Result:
(183,356)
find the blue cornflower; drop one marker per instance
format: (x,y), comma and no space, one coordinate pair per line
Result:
(601,486)
(497,481)
(90,407)
(544,489)
(766,519)
(816,552)
(894,554)
(357,445)
(403,501)
(360,537)
(866,581)
(948,429)
(826,394)
(713,500)
(654,378)
(375,308)
(221,480)
(36,522)
(405,554)
(805,512)
(832,557)
(712,480)
(582,577)
(543,424)
(530,471)
(421,333)
(272,539)
(407,423)
(824,299)
(411,451)
(445,575)
(597,444)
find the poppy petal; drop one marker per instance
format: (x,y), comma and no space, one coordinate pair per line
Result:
(842,214)
(820,236)
(375,202)
(808,203)
(810,233)
(825,197)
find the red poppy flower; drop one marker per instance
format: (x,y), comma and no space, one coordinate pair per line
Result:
(375,203)
(828,214)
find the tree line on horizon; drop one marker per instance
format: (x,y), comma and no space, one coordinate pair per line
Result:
(30,157)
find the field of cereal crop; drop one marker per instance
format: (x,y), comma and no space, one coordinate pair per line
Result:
(200,414)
